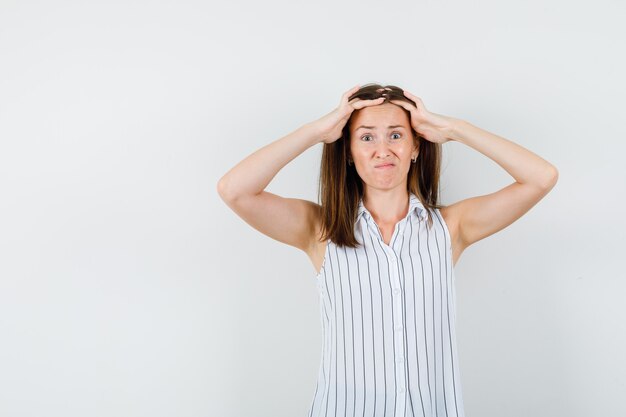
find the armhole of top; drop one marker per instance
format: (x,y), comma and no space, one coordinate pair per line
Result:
(319,274)
(446,230)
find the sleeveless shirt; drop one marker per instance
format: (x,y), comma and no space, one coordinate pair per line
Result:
(388,322)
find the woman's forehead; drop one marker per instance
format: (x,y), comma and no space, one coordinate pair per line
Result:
(382,116)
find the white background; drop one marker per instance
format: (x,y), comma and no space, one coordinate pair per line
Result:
(128,288)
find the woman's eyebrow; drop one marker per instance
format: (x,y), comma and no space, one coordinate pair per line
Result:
(374,127)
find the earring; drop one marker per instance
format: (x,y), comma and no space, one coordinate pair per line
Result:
(414,159)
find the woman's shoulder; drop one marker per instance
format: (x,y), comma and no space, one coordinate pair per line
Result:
(450,216)
(317,249)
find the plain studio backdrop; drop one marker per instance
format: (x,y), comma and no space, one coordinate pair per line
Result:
(128,287)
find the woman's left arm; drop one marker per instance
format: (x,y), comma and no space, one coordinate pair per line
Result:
(475,218)
(481,216)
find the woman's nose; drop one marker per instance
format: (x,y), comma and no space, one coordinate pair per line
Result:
(383,147)
(382,151)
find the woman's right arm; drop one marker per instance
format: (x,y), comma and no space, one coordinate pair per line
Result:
(288,220)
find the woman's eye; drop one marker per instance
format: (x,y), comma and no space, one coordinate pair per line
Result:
(369,136)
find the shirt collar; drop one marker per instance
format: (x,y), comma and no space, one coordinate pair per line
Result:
(414,204)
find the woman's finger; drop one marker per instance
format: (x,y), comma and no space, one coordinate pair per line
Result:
(359,104)
(416,99)
(348,93)
(410,95)
(402,104)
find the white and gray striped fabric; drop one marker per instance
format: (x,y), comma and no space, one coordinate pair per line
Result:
(388,319)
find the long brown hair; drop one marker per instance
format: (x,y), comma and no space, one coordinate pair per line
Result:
(340,186)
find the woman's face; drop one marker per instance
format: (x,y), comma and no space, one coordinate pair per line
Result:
(381,135)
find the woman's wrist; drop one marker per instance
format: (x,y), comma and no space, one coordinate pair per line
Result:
(455,129)
(313,132)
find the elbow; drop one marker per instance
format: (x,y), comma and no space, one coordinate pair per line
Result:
(550,178)
(222,189)
(227,191)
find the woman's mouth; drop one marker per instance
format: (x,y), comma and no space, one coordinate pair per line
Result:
(385,166)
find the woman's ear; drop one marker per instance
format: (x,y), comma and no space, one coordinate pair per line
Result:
(416,150)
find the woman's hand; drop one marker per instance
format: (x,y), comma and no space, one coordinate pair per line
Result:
(431,126)
(331,126)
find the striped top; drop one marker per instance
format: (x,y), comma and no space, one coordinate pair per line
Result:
(388,322)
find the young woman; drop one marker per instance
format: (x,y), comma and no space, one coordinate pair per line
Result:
(382,246)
